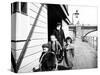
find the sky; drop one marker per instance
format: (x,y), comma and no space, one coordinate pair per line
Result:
(87,14)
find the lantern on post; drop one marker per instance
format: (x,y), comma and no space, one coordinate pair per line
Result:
(75,16)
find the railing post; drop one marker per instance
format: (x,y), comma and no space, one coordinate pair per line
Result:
(96,43)
(93,42)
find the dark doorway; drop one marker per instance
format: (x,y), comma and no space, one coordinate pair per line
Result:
(55,14)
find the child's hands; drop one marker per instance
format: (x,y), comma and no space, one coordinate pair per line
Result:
(64,43)
(69,47)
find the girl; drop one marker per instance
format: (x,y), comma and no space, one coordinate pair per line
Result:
(69,52)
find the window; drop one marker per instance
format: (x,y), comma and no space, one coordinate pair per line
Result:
(14,7)
(19,7)
(23,7)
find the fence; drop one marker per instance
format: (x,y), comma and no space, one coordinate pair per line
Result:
(93,41)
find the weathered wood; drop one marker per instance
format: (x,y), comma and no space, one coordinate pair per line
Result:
(13,63)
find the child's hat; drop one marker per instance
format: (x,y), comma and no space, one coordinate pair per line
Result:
(45,45)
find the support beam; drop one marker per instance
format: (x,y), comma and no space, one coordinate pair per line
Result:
(89,32)
(66,13)
(13,63)
(66,9)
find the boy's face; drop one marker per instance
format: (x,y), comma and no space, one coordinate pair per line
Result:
(58,27)
(53,38)
(69,41)
(45,49)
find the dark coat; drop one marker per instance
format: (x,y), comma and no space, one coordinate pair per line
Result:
(48,61)
(57,51)
(59,35)
(57,47)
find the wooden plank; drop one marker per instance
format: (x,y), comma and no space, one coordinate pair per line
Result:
(27,42)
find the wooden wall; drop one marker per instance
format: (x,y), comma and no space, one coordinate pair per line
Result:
(39,37)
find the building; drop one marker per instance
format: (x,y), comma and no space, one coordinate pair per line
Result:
(31,27)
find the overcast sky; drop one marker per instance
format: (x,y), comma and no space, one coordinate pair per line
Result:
(87,14)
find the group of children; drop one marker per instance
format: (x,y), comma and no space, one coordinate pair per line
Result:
(53,54)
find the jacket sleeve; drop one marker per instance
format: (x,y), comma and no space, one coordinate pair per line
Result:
(63,35)
(59,45)
(54,32)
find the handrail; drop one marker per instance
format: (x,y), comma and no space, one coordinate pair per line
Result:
(20,59)
(89,32)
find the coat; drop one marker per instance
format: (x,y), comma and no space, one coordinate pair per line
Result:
(59,35)
(57,47)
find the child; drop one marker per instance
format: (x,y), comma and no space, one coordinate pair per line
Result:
(45,48)
(48,62)
(55,47)
(68,52)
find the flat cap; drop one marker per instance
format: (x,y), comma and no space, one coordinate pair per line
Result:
(45,45)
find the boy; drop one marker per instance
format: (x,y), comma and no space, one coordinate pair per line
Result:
(55,47)
(45,48)
(47,59)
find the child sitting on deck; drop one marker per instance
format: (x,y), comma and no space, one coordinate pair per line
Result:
(47,60)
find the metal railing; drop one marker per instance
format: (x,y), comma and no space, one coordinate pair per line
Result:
(93,41)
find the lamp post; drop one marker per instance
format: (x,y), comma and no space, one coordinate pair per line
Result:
(76,16)
(76,23)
